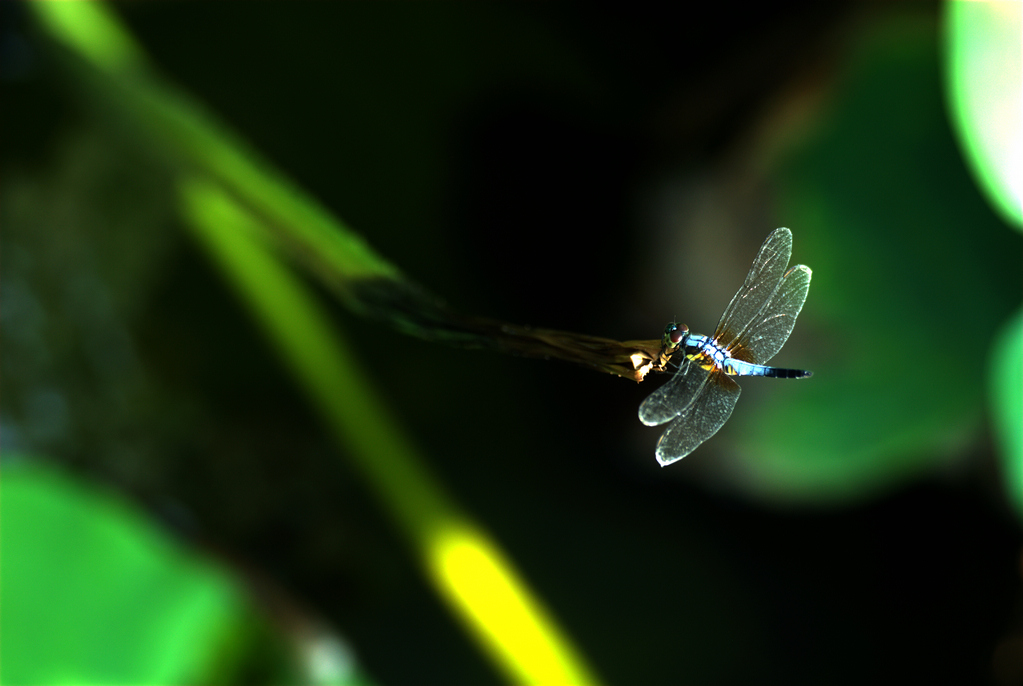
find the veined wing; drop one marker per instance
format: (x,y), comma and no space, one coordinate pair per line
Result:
(701,420)
(762,281)
(674,397)
(765,335)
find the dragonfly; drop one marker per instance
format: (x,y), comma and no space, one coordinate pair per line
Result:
(699,398)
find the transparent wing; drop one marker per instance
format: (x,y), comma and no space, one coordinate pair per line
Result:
(760,285)
(701,420)
(765,335)
(672,399)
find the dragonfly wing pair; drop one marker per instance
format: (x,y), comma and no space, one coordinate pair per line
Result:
(708,399)
(754,327)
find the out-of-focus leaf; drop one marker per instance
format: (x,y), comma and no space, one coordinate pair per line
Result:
(469,571)
(984,87)
(912,275)
(1006,394)
(92,594)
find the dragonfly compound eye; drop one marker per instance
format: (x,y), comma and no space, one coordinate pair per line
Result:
(676,333)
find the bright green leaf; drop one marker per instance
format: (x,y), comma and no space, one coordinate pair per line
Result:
(1006,393)
(94,594)
(984,87)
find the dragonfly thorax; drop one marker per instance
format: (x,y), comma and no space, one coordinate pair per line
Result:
(704,353)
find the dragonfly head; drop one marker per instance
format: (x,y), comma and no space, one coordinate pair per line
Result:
(675,335)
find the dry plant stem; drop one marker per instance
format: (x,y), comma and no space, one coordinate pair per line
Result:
(406,306)
(628,359)
(415,312)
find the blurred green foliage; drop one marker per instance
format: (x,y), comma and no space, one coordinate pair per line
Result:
(93,594)
(233,202)
(984,86)
(468,570)
(912,275)
(1005,381)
